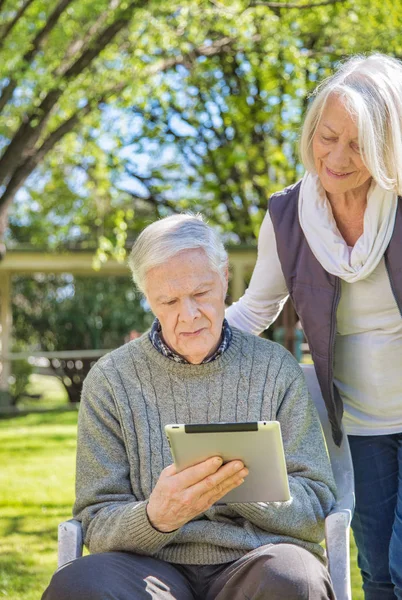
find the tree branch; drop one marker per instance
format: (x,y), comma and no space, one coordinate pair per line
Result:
(24,170)
(277,5)
(32,161)
(153,200)
(103,39)
(37,44)
(24,140)
(77,45)
(20,157)
(7,27)
(222,45)
(27,135)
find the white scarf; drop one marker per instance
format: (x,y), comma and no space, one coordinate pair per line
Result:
(327,244)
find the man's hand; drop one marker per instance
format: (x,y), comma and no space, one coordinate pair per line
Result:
(179,497)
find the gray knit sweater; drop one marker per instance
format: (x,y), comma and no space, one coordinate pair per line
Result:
(128,397)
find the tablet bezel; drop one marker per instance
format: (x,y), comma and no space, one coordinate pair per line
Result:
(258,444)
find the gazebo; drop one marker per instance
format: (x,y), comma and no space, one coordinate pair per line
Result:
(80,262)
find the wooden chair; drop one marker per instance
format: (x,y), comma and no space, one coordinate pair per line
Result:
(337,523)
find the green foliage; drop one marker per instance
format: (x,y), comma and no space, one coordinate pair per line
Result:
(59,63)
(64,313)
(59,313)
(21,371)
(222,131)
(193,105)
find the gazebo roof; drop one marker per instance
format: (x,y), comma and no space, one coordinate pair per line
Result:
(80,262)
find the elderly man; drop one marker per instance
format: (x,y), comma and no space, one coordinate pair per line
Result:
(156,533)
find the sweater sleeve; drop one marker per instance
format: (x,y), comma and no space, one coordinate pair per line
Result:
(113,518)
(311,483)
(267,293)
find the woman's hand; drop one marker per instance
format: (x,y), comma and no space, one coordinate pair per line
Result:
(179,497)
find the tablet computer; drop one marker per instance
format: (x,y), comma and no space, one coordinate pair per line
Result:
(258,445)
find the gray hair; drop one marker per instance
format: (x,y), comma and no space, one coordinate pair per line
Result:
(164,238)
(371,88)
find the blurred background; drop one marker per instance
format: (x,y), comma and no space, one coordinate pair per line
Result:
(112,114)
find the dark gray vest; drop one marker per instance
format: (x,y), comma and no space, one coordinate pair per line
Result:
(315,293)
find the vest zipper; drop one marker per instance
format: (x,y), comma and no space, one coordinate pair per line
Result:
(332,338)
(392,285)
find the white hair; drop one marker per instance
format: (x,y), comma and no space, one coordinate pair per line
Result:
(371,89)
(165,238)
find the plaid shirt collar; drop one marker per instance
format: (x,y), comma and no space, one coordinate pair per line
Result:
(159,344)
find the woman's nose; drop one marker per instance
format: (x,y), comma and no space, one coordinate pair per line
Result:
(339,157)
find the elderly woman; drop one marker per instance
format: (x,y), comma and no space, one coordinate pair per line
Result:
(333,242)
(154,532)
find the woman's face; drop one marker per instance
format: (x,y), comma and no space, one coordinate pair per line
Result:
(336,151)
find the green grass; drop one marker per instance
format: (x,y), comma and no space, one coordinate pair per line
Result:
(37,454)
(36,493)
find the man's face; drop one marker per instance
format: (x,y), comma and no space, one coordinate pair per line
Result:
(188,298)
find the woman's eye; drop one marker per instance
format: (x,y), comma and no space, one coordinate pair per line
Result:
(356,148)
(327,139)
(201,293)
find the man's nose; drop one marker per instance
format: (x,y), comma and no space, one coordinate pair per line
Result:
(188,310)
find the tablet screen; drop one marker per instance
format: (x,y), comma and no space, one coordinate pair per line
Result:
(258,444)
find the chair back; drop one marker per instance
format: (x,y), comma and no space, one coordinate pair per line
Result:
(341,460)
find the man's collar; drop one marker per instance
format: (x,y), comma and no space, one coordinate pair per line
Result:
(160,345)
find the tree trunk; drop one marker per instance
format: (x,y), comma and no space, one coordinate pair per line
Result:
(72,373)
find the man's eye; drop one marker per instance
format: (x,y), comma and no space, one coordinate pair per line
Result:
(202,293)
(170,302)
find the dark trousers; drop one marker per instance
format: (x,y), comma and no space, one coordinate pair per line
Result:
(377,521)
(274,572)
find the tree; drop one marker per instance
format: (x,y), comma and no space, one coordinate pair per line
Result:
(222,132)
(209,122)
(59,313)
(60,63)
(58,55)
(71,72)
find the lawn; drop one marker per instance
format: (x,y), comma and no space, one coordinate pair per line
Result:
(36,493)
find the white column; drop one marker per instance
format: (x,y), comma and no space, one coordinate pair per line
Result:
(5,324)
(237,280)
